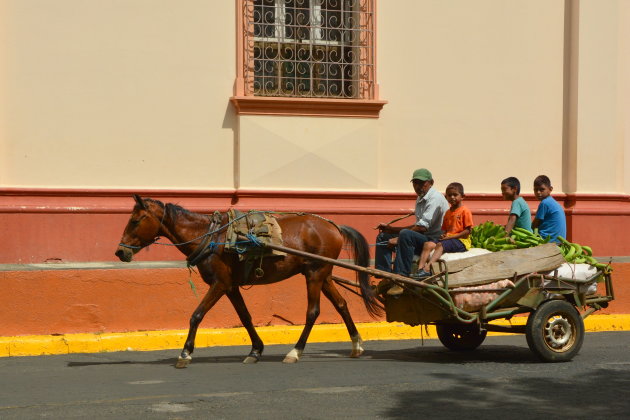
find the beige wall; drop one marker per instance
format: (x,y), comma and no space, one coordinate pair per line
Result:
(135,93)
(475,90)
(117,93)
(603,96)
(309,153)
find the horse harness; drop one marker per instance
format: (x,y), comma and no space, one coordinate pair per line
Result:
(259,227)
(208,244)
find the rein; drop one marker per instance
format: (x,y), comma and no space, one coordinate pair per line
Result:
(207,245)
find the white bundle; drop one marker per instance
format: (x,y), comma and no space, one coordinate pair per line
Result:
(578,272)
(472,252)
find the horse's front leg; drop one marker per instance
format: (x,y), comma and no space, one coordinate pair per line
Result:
(239,305)
(217,290)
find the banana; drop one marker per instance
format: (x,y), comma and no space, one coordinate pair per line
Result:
(570,253)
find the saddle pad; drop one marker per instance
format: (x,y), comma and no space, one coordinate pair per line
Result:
(257,224)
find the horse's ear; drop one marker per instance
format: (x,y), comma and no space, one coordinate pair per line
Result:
(139,201)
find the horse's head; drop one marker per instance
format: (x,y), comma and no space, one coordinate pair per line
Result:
(141,230)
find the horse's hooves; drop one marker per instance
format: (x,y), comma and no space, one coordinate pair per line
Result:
(290,360)
(183,362)
(356,353)
(250,359)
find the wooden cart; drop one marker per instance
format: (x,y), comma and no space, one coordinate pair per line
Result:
(556,306)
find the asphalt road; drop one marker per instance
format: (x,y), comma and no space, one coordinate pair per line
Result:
(394,379)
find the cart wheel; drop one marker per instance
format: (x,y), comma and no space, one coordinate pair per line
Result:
(555,331)
(460,337)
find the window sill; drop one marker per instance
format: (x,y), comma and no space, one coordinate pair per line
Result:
(313,107)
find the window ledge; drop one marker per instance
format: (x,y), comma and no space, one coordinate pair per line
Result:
(315,107)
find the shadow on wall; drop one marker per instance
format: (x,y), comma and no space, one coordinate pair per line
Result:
(595,395)
(230,121)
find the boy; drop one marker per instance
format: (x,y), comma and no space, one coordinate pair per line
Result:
(457,225)
(520,216)
(549,219)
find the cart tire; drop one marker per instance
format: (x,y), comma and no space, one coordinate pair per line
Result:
(460,337)
(555,331)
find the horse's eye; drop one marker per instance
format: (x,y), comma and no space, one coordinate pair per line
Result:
(135,222)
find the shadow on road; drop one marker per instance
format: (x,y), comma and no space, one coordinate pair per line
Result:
(602,393)
(440,355)
(433,354)
(173,360)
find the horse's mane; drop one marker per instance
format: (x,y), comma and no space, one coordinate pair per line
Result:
(173,210)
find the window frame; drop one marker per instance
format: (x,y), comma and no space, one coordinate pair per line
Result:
(245,103)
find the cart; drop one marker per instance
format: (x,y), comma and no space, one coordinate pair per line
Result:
(555,306)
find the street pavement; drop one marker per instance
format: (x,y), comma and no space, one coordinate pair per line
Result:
(394,379)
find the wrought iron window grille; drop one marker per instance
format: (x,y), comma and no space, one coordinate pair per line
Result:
(309,48)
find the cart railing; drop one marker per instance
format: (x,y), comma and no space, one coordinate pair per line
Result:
(437,287)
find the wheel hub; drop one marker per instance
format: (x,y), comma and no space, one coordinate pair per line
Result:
(558,332)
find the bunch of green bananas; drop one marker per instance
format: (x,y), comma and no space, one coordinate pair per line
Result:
(523,238)
(491,237)
(579,254)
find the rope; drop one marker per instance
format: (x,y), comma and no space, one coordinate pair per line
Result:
(220,228)
(253,239)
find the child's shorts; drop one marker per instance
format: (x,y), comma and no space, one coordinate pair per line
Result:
(453,245)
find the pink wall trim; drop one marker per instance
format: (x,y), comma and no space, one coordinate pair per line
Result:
(70,200)
(74,225)
(313,107)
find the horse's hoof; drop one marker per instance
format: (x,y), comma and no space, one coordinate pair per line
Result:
(356,353)
(183,362)
(250,359)
(293,356)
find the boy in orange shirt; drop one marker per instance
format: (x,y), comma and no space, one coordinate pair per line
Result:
(457,226)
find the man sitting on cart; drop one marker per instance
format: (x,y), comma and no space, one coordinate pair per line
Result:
(409,240)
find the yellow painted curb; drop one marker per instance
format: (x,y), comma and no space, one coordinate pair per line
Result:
(174,339)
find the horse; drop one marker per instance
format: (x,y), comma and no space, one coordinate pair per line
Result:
(224,273)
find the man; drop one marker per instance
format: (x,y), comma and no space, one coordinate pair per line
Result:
(409,240)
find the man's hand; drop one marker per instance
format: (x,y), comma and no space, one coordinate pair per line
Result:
(392,243)
(384,227)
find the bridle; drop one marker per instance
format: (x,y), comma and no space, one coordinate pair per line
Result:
(154,239)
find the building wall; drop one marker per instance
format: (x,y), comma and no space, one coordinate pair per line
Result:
(603,96)
(117,94)
(134,94)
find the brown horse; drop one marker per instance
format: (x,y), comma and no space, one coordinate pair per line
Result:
(224,273)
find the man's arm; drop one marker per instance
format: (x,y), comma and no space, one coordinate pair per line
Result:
(384,227)
(535,223)
(420,229)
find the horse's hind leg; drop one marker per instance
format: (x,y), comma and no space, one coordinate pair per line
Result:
(214,294)
(314,281)
(239,305)
(331,292)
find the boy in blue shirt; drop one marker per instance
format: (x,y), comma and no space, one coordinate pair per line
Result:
(550,219)
(520,216)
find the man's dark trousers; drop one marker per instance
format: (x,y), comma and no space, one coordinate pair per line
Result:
(410,243)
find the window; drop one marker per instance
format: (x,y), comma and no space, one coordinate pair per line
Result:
(308,52)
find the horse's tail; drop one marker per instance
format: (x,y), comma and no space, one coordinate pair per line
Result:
(361,251)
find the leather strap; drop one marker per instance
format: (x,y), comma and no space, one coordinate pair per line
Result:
(205,249)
